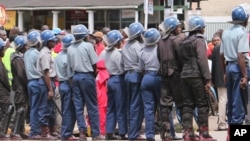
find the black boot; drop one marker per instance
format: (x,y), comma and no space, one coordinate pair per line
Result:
(111,136)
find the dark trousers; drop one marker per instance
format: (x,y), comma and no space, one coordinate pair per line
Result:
(171,91)
(135,105)
(116,112)
(84,92)
(34,98)
(150,89)
(46,109)
(3,116)
(235,106)
(68,110)
(195,96)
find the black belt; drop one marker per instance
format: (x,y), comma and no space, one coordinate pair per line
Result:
(76,72)
(130,71)
(149,71)
(231,62)
(63,81)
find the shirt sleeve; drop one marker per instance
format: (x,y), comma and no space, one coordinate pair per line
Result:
(243,45)
(141,63)
(45,62)
(92,54)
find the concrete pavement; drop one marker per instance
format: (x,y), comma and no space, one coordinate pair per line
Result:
(219,135)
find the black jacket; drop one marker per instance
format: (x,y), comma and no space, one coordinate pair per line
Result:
(217,69)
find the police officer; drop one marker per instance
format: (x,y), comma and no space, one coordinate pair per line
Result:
(45,65)
(171,88)
(4,96)
(195,76)
(116,112)
(133,76)
(150,85)
(33,75)
(68,108)
(234,49)
(82,60)
(19,86)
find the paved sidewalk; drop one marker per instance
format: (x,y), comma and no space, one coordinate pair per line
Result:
(219,135)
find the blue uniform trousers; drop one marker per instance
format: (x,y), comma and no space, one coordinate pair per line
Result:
(236,112)
(34,98)
(134,104)
(84,92)
(46,109)
(116,112)
(151,91)
(68,110)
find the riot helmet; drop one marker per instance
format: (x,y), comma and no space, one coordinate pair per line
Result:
(57,31)
(195,23)
(33,38)
(151,37)
(67,40)
(168,25)
(20,42)
(134,30)
(48,35)
(240,13)
(112,38)
(80,31)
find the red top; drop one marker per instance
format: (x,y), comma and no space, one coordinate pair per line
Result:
(99,48)
(58,47)
(101,82)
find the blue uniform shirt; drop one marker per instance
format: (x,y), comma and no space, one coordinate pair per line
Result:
(148,59)
(130,55)
(45,61)
(234,40)
(112,60)
(61,65)
(81,57)
(30,60)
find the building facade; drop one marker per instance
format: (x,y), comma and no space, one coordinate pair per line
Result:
(115,14)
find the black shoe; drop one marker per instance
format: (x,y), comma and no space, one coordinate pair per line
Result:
(150,139)
(110,136)
(123,137)
(176,138)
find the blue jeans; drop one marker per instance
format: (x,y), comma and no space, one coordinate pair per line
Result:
(84,92)
(68,110)
(116,105)
(34,98)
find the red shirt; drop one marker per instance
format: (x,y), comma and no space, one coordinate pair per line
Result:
(99,48)
(58,47)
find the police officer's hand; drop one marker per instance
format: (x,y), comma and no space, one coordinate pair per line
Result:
(243,82)
(207,86)
(225,78)
(50,94)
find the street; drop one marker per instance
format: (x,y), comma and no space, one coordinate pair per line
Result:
(219,135)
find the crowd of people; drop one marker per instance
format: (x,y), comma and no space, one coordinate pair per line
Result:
(122,78)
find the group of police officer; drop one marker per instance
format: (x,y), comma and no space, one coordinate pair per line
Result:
(147,74)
